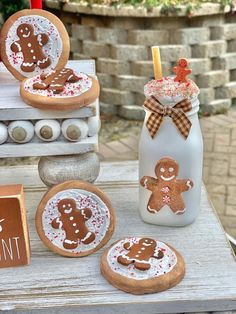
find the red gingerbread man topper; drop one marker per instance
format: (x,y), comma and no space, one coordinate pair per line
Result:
(181,71)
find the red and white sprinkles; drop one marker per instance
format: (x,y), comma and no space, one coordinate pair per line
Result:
(53,48)
(98,223)
(70,89)
(158,266)
(168,88)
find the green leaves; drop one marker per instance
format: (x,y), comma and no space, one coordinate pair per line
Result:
(7,8)
(168,7)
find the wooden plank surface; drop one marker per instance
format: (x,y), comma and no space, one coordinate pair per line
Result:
(12,107)
(57,284)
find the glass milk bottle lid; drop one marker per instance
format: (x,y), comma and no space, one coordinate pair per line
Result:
(170,90)
(173,96)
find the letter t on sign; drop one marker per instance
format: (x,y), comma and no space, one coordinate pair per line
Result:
(14,238)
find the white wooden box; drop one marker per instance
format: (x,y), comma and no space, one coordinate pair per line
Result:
(12,108)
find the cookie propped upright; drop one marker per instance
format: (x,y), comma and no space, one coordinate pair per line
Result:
(32,42)
(75,219)
(62,89)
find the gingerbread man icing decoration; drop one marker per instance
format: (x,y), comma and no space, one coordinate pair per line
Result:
(55,80)
(31,47)
(140,253)
(181,71)
(166,188)
(72,221)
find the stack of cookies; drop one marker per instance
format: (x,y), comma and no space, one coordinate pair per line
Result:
(55,110)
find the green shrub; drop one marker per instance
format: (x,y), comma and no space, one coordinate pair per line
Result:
(167,6)
(8,7)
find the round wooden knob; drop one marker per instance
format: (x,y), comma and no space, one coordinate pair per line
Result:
(3,133)
(73,132)
(74,129)
(47,130)
(21,131)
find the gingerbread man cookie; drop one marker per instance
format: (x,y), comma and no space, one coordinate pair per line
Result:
(31,47)
(166,188)
(139,254)
(142,265)
(60,90)
(181,71)
(55,81)
(73,221)
(32,42)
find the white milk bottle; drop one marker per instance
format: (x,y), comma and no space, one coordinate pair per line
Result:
(170,153)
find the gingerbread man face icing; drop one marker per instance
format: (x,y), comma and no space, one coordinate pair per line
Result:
(142,265)
(75,219)
(31,48)
(33,41)
(55,81)
(166,188)
(140,254)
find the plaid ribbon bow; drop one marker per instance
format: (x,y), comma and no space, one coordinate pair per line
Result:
(176,113)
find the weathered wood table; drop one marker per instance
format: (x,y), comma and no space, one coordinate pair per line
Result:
(55,284)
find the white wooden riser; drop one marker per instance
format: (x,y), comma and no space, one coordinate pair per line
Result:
(39,148)
(13,108)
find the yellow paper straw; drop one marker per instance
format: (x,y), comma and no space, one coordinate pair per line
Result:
(156,62)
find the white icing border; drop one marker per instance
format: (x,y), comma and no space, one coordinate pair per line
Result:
(71,89)
(98,223)
(53,48)
(158,267)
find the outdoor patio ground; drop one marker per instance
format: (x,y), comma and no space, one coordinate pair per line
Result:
(219,132)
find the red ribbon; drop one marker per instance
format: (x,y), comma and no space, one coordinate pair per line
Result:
(36,4)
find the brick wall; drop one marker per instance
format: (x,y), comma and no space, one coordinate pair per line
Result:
(121,47)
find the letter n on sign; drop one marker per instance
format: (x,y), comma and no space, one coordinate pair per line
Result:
(14,237)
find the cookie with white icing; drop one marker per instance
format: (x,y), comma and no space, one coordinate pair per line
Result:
(75,219)
(33,42)
(62,89)
(142,265)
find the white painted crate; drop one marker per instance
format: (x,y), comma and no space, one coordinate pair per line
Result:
(12,108)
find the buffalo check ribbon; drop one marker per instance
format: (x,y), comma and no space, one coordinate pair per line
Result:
(176,113)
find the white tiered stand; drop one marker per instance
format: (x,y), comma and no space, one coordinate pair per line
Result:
(13,108)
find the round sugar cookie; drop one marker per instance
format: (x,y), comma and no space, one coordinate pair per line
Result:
(32,42)
(75,219)
(62,89)
(142,265)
